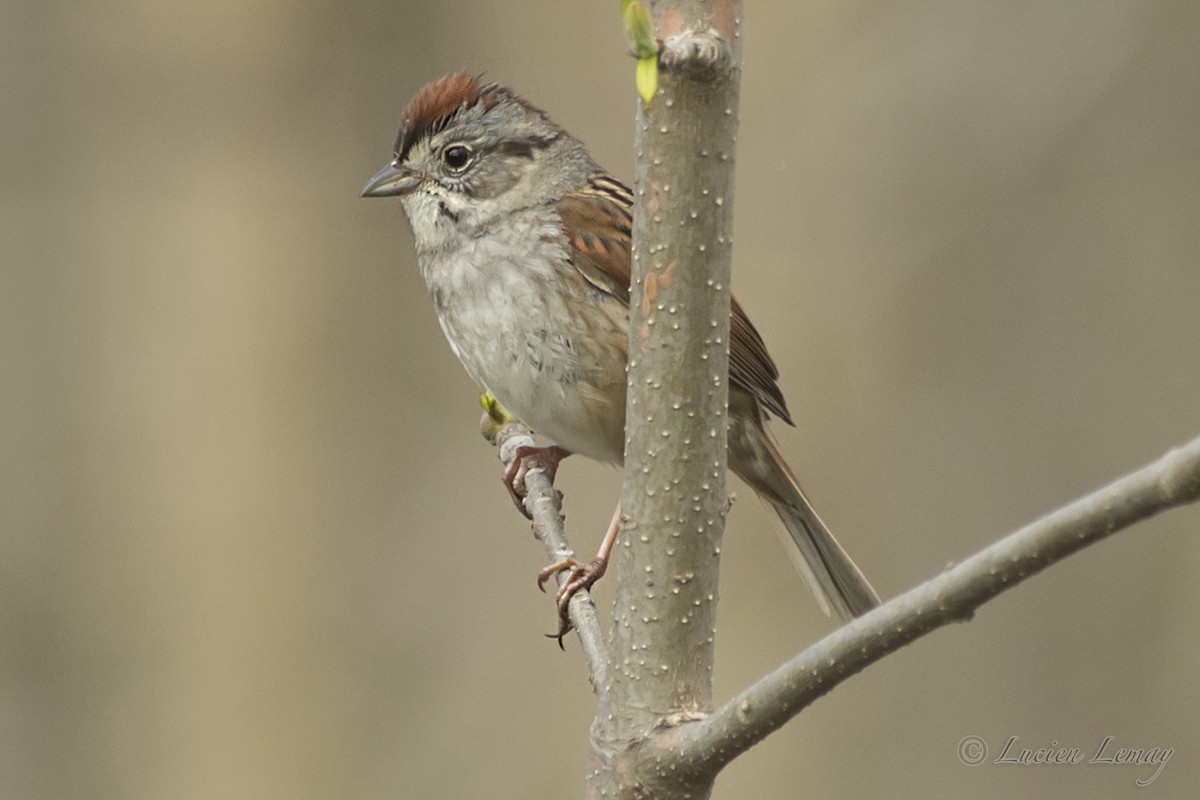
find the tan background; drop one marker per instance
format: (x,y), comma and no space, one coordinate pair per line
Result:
(253,546)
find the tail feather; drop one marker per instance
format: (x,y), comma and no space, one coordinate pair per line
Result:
(829,572)
(832,576)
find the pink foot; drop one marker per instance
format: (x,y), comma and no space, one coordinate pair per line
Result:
(579,576)
(523,460)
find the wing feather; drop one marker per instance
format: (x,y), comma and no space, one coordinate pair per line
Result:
(598,223)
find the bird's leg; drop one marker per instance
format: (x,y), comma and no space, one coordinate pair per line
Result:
(579,576)
(524,459)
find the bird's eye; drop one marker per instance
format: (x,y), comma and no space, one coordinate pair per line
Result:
(456,157)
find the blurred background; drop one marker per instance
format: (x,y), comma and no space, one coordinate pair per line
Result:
(254,547)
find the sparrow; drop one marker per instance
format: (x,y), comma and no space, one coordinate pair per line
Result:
(524,243)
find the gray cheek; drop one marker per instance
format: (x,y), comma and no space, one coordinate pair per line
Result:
(494,178)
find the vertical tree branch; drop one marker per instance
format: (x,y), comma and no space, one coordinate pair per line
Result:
(674,500)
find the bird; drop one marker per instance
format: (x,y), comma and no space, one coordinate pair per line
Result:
(524,243)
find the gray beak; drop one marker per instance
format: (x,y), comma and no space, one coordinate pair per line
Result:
(392,181)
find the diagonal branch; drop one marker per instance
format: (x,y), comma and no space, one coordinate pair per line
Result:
(702,748)
(544,504)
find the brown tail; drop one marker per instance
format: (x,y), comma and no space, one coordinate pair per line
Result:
(833,578)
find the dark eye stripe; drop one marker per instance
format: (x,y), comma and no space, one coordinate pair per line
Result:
(520,149)
(523,148)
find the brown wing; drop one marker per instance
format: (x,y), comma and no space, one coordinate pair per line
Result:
(751,366)
(599,225)
(598,222)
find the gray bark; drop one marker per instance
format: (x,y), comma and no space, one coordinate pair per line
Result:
(674,500)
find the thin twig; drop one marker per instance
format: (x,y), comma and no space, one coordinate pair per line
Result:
(544,504)
(702,748)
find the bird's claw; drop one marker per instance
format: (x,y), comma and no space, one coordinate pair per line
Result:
(579,577)
(524,459)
